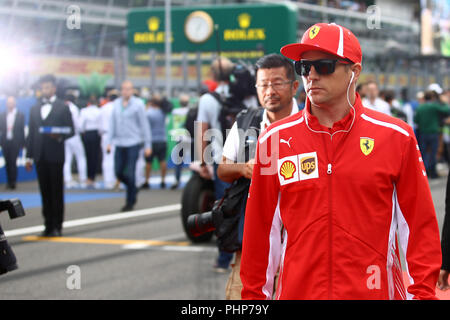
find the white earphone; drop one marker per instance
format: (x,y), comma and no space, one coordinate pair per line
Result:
(348,88)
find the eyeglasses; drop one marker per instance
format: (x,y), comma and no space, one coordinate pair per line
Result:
(322,66)
(279,85)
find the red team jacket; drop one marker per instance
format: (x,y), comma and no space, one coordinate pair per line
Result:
(326,207)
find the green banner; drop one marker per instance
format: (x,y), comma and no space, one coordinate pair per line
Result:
(244,31)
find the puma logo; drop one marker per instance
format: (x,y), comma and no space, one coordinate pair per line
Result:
(287,142)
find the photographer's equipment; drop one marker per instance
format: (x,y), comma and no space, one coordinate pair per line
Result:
(224,216)
(8,261)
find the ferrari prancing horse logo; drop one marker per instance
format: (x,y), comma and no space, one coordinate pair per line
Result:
(313,32)
(366,145)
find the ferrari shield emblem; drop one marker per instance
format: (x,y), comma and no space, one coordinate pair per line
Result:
(366,145)
(313,32)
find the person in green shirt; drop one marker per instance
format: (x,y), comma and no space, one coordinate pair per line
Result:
(428,118)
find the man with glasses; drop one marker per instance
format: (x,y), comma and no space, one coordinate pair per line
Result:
(276,88)
(327,208)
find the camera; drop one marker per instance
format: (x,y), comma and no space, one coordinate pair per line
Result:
(225,211)
(8,261)
(201,223)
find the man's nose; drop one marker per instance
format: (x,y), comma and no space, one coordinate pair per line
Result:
(269,91)
(313,73)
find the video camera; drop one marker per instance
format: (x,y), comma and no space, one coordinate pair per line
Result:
(8,261)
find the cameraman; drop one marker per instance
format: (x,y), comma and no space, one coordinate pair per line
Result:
(208,118)
(276,87)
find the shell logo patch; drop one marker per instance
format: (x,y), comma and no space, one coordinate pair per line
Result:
(314,31)
(366,145)
(288,169)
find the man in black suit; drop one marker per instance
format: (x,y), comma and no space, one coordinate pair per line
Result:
(50,124)
(12,139)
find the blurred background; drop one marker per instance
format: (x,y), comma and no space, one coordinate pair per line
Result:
(405,43)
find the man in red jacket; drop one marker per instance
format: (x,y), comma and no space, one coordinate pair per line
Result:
(335,189)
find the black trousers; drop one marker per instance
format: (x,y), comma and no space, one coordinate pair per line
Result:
(91,142)
(51,185)
(10,153)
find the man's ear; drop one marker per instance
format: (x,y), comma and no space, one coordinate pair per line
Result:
(356,69)
(295,86)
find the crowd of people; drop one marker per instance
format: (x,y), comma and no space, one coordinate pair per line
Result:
(428,114)
(97,140)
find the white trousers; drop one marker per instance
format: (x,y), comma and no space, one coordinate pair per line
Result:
(74,147)
(140,169)
(109,176)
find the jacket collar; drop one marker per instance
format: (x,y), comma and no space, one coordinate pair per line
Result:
(343,125)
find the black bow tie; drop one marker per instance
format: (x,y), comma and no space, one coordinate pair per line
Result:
(45,101)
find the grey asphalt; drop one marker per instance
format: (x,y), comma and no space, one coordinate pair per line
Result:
(108,271)
(172,269)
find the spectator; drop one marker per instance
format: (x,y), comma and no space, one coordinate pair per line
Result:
(361,88)
(208,118)
(408,106)
(128,132)
(109,177)
(373,99)
(428,119)
(394,105)
(181,136)
(420,96)
(74,147)
(89,128)
(12,139)
(157,122)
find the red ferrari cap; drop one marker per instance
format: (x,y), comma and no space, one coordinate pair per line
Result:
(326,37)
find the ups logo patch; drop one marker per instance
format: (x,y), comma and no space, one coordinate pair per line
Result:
(308,165)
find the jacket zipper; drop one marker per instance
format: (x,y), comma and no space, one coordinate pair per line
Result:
(330,220)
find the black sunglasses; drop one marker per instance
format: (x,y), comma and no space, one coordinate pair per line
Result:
(322,66)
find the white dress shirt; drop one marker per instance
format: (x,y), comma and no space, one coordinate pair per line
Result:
(10,118)
(90,118)
(47,107)
(378,105)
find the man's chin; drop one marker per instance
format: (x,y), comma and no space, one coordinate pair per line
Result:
(273,107)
